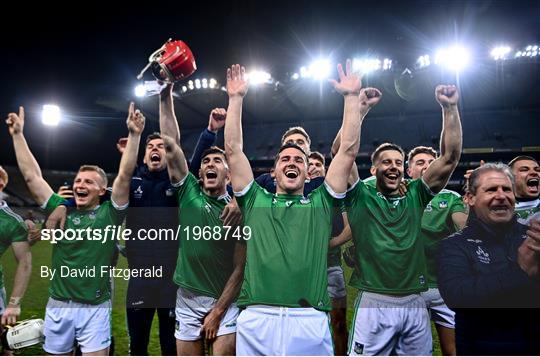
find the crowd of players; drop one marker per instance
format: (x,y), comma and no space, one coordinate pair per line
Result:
(280,290)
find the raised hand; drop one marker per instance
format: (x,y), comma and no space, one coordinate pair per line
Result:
(447,95)
(349,82)
(121,145)
(217,119)
(369,97)
(16,122)
(135,120)
(237,84)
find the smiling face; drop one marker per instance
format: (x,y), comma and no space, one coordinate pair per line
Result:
(214,174)
(493,201)
(388,169)
(419,164)
(316,168)
(87,189)
(154,156)
(291,171)
(527,175)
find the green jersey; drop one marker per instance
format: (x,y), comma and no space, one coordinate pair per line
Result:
(437,224)
(385,229)
(81,264)
(205,255)
(287,253)
(526,209)
(12,229)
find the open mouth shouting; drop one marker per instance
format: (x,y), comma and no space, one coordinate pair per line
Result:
(500,209)
(532,185)
(155,157)
(81,193)
(291,173)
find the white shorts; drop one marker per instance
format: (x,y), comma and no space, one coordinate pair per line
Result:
(336,283)
(271,331)
(192,308)
(68,321)
(390,325)
(439,312)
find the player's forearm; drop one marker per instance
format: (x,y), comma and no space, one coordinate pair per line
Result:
(451,135)
(25,160)
(352,122)
(22,275)
(168,123)
(233,127)
(176,162)
(336,143)
(129,158)
(342,238)
(233,285)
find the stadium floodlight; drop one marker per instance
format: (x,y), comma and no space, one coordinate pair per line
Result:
(534,53)
(184,89)
(518,54)
(454,58)
(295,76)
(500,52)
(423,61)
(51,115)
(528,48)
(190,85)
(320,69)
(304,73)
(198,83)
(366,65)
(212,83)
(387,64)
(205,83)
(259,77)
(140,90)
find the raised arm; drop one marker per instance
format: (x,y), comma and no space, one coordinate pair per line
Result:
(168,124)
(357,104)
(440,170)
(207,138)
(354,176)
(122,182)
(28,165)
(237,87)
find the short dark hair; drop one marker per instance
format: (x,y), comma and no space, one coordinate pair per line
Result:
(154,135)
(421,150)
(521,158)
(385,147)
(498,167)
(296,130)
(287,146)
(317,156)
(213,150)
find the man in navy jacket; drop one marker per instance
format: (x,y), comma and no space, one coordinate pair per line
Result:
(489,272)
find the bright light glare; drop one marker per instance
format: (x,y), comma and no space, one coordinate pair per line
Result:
(500,52)
(51,115)
(423,61)
(140,91)
(454,58)
(258,77)
(320,69)
(367,65)
(212,83)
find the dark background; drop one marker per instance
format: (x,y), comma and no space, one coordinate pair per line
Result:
(85,57)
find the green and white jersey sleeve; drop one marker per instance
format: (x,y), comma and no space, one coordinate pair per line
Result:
(437,224)
(82,258)
(206,251)
(12,229)
(526,209)
(385,229)
(287,253)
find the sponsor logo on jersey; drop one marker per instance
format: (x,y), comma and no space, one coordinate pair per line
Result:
(232,324)
(358,348)
(429,207)
(288,203)
(138,192)
(305,201)
(443,204)
(422,279)
(483,257)
(474,240)
(169,192)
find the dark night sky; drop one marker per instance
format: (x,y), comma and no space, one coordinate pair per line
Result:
(77,55)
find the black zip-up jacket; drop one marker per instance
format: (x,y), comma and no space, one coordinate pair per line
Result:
(496,303)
